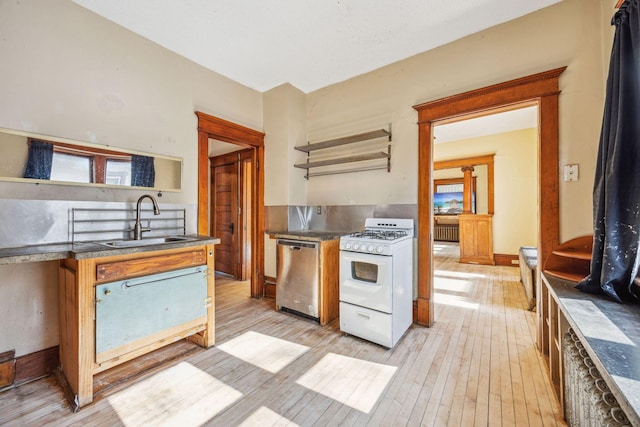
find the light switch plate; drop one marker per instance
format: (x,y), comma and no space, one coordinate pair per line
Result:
(570,172)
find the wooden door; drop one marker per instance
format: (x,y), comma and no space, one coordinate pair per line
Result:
(225,216)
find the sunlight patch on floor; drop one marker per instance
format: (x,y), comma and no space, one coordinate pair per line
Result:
(179,395)
(455,285)
(266,352)
(353,382)
(454,300)
(439,247)
(459,274)
(263,417)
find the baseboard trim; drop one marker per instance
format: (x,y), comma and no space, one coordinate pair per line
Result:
(506,260)
(7,368)
(36,365)
(269,287)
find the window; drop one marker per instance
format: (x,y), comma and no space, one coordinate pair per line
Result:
(71,167)
(89,165)
(118,172)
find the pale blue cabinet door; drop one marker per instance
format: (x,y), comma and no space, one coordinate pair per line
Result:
(128,310)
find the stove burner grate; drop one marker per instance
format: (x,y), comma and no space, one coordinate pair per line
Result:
(379,234)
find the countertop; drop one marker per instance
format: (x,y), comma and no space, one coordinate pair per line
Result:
(530,256)
(311,235)
(58,251)
(610,332)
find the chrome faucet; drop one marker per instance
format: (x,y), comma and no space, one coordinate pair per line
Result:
(137,228)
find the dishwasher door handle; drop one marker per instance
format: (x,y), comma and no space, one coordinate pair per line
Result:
(295,248)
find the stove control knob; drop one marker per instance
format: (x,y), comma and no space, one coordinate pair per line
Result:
(379,249)
(356,246)
(370,248)
(348,246)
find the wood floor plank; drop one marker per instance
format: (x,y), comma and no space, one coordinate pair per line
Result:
(477,365)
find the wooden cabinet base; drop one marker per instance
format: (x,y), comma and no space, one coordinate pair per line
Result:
(476,239)
(329,308)
(78,284)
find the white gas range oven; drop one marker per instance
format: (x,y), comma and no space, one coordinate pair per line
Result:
(376,280)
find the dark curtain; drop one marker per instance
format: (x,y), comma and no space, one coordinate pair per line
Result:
(40,160)
(143,173)
(616,194)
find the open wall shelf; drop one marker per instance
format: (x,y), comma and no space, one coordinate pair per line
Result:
(337,142)
(571,260)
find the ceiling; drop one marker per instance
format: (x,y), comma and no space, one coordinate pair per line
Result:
(523,118)
(307,43)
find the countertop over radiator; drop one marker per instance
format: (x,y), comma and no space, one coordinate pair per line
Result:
(610,334)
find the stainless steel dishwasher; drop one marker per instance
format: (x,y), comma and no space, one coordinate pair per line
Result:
(297,281)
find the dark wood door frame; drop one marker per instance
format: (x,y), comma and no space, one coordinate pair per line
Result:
(216,128)
(539,89)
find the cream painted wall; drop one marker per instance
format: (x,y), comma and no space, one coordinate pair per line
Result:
(28,307)
(566,34)
(91,80)
(285,126)
(168,173)
(13,155)
(515,184)
(69,73)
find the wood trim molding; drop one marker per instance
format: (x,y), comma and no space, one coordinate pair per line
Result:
(474,161)
(7,368)
(19,370)
(458,163)
(269,287)
(226,131)
(223,130)
(35,365)
(506,260)
(540,89)
(515,91)
(203,183)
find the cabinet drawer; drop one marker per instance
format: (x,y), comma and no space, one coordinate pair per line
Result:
(142,266)
(130,310)
(369,324)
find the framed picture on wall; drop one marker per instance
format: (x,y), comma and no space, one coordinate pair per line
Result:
(451,203)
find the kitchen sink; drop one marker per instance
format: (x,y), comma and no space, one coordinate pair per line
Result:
(127,243)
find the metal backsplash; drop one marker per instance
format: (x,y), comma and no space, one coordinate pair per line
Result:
(90,225)
(333,218)
(33,222)
(342,219)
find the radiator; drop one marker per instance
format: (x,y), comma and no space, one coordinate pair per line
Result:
(587,398)
(445,233)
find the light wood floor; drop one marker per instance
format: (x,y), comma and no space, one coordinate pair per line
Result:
(476,366)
